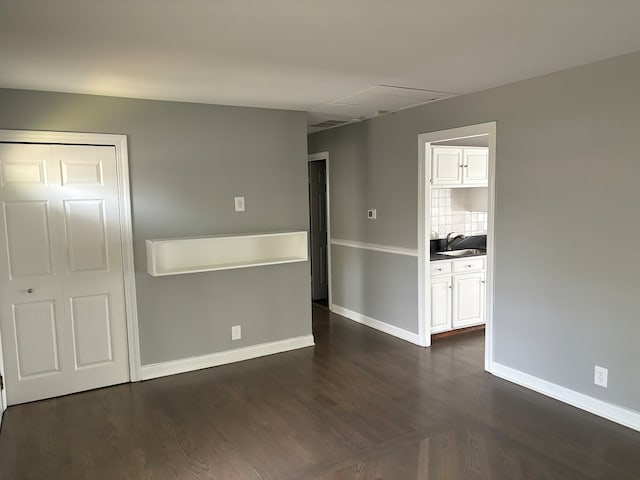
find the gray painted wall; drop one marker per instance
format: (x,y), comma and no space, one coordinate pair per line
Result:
(567,176)
(187,162)
(359,276)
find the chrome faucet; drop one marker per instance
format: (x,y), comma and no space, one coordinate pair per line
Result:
(451,239)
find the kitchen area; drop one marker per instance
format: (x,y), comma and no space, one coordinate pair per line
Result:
(458,235)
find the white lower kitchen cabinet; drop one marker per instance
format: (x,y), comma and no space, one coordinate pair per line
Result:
(441,305)
(468,300)
(457,293)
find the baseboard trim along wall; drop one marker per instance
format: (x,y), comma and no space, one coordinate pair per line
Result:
(377,324)
(623,416)
(375,247)
(163,369)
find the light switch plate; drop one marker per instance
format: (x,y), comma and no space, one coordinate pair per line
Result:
(236,332)
(239,203)
(372,214)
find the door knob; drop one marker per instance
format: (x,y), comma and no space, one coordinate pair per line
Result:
(29,290)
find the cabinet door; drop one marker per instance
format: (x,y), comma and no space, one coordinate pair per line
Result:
(475,166)
(440,304)
(446,166)
(468,299)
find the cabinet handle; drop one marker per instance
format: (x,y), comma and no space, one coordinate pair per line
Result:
(438,269)
(466,166)
(469,266)
(29,290)
(451,286)
(483,281)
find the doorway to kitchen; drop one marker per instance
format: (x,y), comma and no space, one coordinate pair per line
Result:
(455,232)
(319,226)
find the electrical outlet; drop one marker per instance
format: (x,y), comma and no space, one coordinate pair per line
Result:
(372,214)
(239,203)
(236,332)
(600,376)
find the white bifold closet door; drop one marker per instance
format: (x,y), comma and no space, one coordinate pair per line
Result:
(62,313)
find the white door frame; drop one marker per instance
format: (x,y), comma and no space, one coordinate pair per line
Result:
(424,209)
(126,232)
(312,158)
(3,394)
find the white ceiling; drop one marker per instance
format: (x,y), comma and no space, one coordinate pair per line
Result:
(301,54)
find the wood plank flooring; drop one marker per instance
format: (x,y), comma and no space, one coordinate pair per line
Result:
(360,405)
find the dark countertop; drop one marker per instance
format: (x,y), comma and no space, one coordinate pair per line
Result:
(436,256)
(473,241)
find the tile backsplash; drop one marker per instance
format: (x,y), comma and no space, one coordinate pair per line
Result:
(459,210)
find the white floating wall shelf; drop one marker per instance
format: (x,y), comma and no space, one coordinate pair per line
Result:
(176,256)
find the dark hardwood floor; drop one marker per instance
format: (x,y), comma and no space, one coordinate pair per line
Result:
(360,405)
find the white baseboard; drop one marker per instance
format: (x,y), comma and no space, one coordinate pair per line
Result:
(183,365)
(377,324)
(623,416)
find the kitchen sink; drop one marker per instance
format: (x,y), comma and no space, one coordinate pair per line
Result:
(463,253)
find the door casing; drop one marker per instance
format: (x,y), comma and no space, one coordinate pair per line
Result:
(119,142)
(3,393)
(424,209)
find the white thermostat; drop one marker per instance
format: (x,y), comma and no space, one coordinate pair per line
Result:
(239,202)
(371,214)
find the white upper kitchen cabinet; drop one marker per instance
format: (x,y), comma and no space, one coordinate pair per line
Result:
(459,166)
(447,166)
(475,166)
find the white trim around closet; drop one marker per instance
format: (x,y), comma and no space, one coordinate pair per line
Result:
(126,231)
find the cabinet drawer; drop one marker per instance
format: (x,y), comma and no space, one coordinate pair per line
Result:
(441,268)
(470,264)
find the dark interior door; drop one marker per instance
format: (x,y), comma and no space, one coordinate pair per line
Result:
(318,221)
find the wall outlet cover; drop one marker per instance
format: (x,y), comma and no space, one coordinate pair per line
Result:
(600,376)
(372,214)
(239,204)
(236,332)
